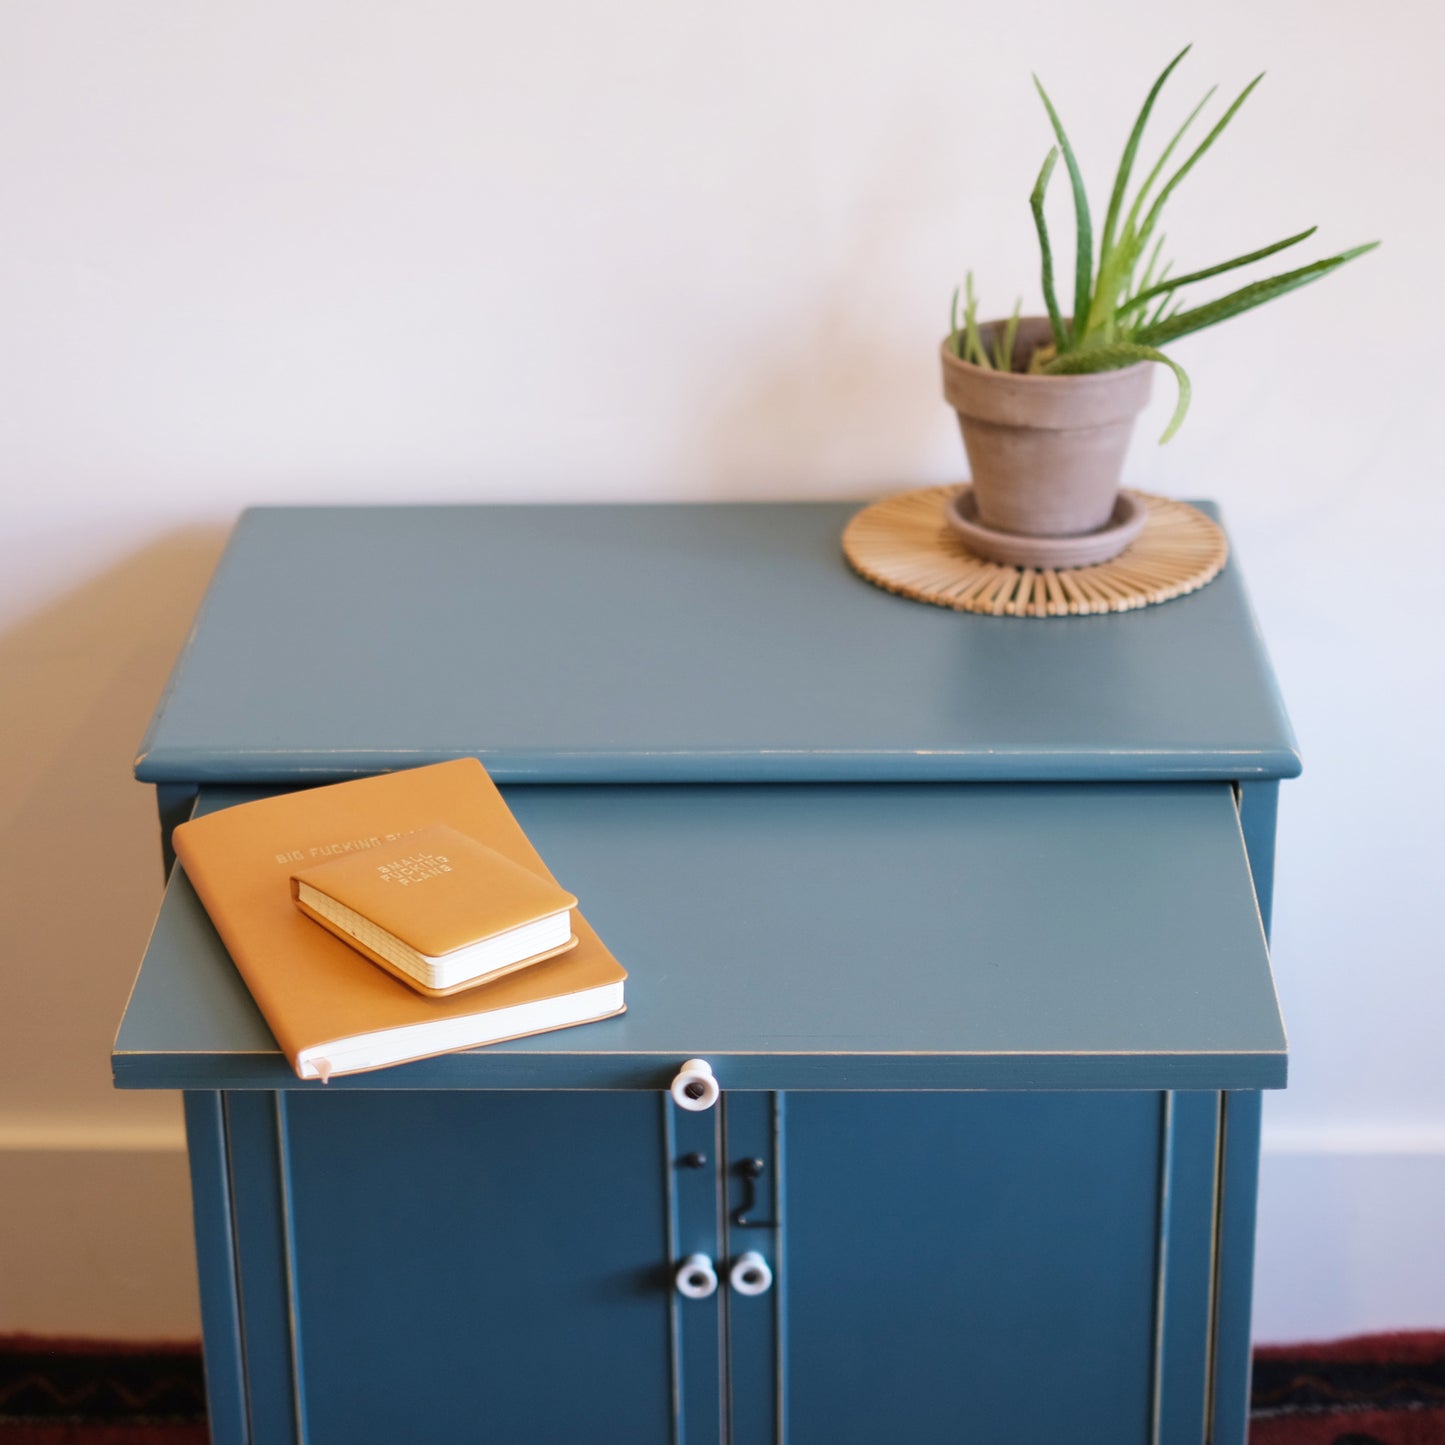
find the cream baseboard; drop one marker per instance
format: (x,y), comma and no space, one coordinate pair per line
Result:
(1349,1237)
(80,1137)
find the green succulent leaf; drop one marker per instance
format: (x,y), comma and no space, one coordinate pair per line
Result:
(1116,262)
(1126,162)
(1036,204)
(1084,229)
(1149,277)
(1158,288)
(1004,338)
(972,342)
(1119,354)
(1198,152)
(1171,328)
(1168,306)
(1134,238)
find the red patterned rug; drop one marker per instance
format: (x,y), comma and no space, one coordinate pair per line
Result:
(1370,1390)
(1373,1390)
(98,1392)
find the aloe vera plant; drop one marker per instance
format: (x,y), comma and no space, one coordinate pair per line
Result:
(1126,304)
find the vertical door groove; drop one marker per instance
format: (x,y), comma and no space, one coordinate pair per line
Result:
(1161,1281)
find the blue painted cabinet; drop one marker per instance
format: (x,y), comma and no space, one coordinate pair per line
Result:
(967,914)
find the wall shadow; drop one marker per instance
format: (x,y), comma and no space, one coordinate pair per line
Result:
(78,840)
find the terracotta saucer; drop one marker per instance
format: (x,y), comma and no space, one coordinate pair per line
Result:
(1081,550)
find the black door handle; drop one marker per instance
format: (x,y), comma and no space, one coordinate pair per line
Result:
(749,1171)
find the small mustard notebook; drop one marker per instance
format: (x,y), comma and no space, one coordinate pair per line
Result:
(440,910)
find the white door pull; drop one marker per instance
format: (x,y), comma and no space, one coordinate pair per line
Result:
(750,1274)
(696,1278)
(694,1087)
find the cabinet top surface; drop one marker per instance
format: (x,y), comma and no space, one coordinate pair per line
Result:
(677,643)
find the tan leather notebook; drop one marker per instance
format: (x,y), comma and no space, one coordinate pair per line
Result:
(331,1011)
(439,910)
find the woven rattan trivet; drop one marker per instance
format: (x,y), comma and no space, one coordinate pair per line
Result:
(903,545)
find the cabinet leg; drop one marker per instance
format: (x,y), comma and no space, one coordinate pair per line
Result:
(1235,1271)
(216,1265)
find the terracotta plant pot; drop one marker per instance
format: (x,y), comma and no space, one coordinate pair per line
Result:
(1046,452)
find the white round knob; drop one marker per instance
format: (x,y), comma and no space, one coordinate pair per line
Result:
(696,1278)
(750,1274)
(694,1087)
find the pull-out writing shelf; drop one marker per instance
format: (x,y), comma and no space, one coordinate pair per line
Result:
(968,916)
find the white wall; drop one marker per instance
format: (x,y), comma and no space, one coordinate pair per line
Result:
(327,250)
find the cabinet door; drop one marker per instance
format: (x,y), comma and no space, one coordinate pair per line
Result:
(480,1267)
(969,1267)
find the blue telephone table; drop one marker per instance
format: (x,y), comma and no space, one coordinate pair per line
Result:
(967,917)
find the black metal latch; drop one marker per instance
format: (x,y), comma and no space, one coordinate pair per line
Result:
(749,1171)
